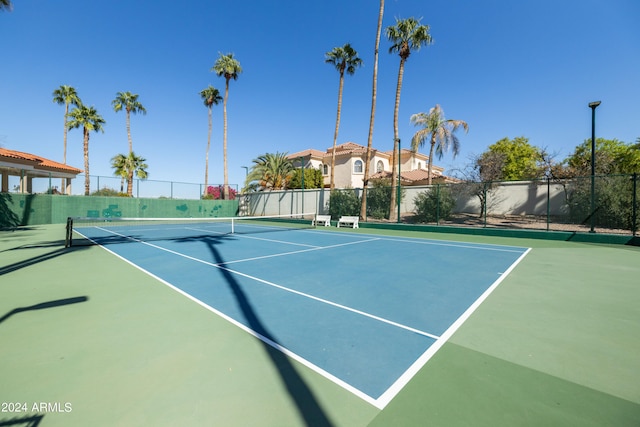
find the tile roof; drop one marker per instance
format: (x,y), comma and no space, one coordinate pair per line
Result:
(304,153)
(36,162)
(415,175)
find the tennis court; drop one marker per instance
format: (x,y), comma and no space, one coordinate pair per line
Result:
(366,311)
(273,326)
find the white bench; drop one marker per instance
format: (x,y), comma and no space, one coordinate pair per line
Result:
(322,220)
(348,221)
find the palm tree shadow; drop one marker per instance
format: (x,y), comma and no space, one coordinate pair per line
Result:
(306,403)
(28,421)
(45,305)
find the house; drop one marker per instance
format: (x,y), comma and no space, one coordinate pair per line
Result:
(28,166)
(349,165)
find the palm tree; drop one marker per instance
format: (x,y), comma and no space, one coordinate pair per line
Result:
(405,36)
(6,4)
(130,103)
(343,58)
(365,182)
(210,96)
(126,166)
(89,119)
(66,95)
(438,131)
(271,171)
(228,67)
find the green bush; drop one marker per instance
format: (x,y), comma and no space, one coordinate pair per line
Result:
(109,192)
(344,202)
(434,205)
(613,201)
(379,198)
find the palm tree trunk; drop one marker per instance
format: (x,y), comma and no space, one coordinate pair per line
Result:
(130,183)
(87,184)
(394,173)
(129,132)
(365,181)
(64,152)
(206,158)
(335,134)
(430,164)
(225,188)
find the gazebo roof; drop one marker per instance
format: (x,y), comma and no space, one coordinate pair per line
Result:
(14,162)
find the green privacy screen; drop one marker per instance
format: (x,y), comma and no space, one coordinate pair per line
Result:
(34,209)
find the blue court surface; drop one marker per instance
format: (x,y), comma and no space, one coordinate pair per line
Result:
(365,311)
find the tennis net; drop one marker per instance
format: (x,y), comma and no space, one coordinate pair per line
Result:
(101,230)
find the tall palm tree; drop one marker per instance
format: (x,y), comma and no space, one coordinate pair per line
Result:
(66,95)
(374,92)
(406,36)
(129,102)
(6,4)
(128,165)
(343,58)
(210,96)
(89,120)
(440,133)
(271,171)
(229,68)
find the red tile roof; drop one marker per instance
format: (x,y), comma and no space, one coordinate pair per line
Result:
(37,162)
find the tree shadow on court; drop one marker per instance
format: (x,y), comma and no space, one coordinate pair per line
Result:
(306,403)
(29,421)
(28,262)
(44,305)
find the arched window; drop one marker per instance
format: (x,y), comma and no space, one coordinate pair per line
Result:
(419,165)
(325,169)
(379,166)
(357,166)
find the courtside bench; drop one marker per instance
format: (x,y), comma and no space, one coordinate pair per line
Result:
(350,221)
(322,220)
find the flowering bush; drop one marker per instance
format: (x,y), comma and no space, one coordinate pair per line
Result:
(216,193)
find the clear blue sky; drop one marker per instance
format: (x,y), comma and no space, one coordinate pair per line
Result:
(508,68)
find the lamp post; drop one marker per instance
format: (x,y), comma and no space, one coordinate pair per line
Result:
(302,180)
(399,178)
(593,106)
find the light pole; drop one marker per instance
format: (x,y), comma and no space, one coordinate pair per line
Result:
(302,180)
(593,106)
(399,177)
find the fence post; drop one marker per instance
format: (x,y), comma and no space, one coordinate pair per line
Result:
(548,202)
(486,202)
(437,204)
(634,208)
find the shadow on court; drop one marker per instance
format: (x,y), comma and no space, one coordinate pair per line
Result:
(31,421)
(44,305)
(305,401)
(36,259)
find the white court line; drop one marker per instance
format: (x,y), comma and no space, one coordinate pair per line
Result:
(392,391)
(256,238)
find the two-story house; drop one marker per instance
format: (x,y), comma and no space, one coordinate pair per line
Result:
(349,165)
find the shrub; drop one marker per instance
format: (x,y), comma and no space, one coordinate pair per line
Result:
(434,204)
(343,202)
(216,193)
(109,192)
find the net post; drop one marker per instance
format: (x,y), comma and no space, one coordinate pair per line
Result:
(69,232)
(233,223)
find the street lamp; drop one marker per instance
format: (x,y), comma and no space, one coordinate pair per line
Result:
(399,177)
(593,106)
(302,180)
